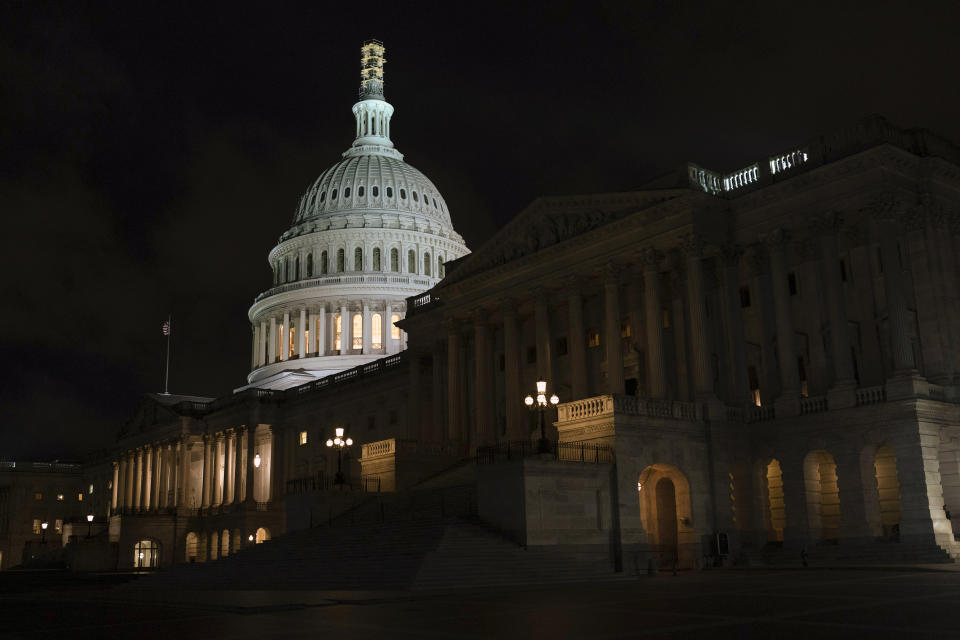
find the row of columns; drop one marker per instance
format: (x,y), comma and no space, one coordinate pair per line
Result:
(314,332)
(410,259)
(158,476)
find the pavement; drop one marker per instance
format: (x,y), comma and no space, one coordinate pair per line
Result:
(757,603)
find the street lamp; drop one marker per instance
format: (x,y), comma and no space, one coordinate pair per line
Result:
(43,534)
(89,523)
(539,404)
(339,442)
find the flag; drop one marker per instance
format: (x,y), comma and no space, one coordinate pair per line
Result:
(166,328)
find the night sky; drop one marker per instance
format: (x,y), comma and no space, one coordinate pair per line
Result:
(151,155)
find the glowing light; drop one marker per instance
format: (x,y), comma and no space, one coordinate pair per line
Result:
(541,399)
(541,386)
(256,461)
(339,432)
(44,525)
(89,517)
(528,401)
(349,441)
(250,537)
(329,443)
(554,399)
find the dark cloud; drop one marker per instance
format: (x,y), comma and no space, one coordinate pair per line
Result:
(151,155)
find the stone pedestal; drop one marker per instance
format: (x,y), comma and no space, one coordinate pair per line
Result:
(906,385)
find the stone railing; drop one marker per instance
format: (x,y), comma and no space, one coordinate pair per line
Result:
(741,178)
(422,302)
(786,161)
(813,404)
(379,448)
(350,279)
(629,405)
(871,395)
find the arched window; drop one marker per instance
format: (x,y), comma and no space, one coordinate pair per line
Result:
(376,331)
(323,196)
(394,329)
(357,334)
(426,264)
(333,196)
(415,198)
(411,261)
(339,260)
(346,192)
(403,193)
(376,191)
(191,547)
(360,191)
(337,331)
(434,203)
(389,192)
(296,268)
(439,266)
(376,258)
(225,543)
(358,259)
(263,535)
(310,265)
(146,554)
(323,262)
(395,260)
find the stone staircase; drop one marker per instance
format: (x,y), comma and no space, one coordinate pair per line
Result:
(881,552)
(428,552)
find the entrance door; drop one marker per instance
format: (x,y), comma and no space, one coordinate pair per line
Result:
(667,516)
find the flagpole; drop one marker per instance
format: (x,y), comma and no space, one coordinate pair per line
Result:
(166,381)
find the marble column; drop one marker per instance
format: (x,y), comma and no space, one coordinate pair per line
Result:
(611,327)
(207,472)
(345,324)
(788,404)
(484,429)
(272,343)
(367,327)
(653,320)
(251,473)
(388,346)
(262,345)
(511,373)
(842,390)
(230,470)
(254,357)
(739,390)
(219,473)
(129,486)
(699,339)
(240,463)
(320,326)
(453,381)
(285,337)
(147,478)
(115,487)
(312,334)
(184,495)
(302,333)
(138,481)
(576,345)
(542,325)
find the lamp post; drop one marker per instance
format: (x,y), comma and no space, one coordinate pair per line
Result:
(43,532)
(539,404)
(89,523)
(339,442)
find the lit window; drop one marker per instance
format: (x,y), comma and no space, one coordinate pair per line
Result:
(303,437)
(625,329)
(593,338)
(36,526)
(80,497)
(394,329)
(376,331)
(59,497)
(357,335)
(90,488)
(38,496)
(337,331)
(58,525)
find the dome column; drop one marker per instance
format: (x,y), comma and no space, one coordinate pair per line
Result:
(272,344)
(344,329)
(366,327)
(388,346)
(301,333)
(285,337)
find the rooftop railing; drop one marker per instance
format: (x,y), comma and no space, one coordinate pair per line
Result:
(346,278)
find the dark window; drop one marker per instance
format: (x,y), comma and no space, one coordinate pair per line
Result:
(376,191)
(403,194)
(296,269)
(411,261)
(843,270)
(310,265)
(561,346)
(358,259)
(323,262)
(376,259)
(415,198)
(389,192)
(323,196)
(394,260)
(531,355)
(434,203)
(346,192)
(503,362)
(792,283)
(339,260)
(333,196)
(630,386)
(426,264)
(744,297)
(360,191)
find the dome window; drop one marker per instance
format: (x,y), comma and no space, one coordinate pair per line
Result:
(434,203)
(389,192)
(358,259)
(376,258)
(376,192)
(309,265)
(346,192)
(333,196)
(415,198)
(411,261)
(394,260)
(323,196)
(403,194)
(426,264)
(339,260)
(323,262)
(360,191)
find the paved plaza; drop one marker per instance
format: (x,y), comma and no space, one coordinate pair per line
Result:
(751,604)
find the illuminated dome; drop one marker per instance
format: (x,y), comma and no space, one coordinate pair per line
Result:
(370,232)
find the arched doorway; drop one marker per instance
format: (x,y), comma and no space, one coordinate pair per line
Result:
(667,514)
(225,543)
(823,495)
(237,540)
(214,546)
(146,554)
(888,490)
(191,547)
(776,505)
(262,535)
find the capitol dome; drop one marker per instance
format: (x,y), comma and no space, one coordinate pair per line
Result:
(370,232)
